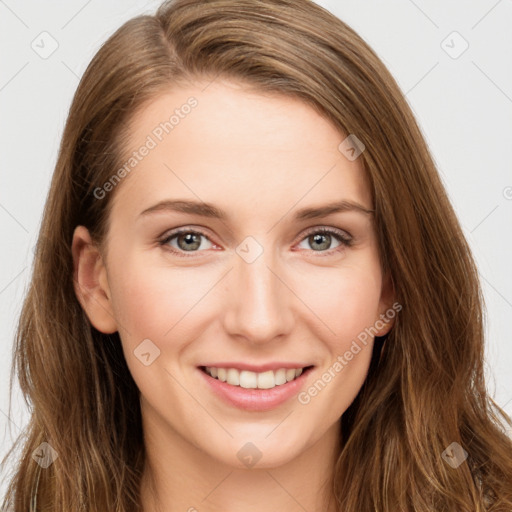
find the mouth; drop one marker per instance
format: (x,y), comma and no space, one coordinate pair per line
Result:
(247,379)
(240,386)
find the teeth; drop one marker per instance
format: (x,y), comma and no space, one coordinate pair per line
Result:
(233,377)
(253,380)
(280,377)
(248,380)
(266,380)
(290,374)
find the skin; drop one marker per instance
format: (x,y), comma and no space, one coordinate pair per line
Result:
(260,157)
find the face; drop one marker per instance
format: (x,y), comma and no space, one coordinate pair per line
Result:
(241,276)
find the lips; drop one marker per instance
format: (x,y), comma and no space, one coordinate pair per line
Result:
(248,394)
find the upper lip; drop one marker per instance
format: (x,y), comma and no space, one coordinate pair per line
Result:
(257,368)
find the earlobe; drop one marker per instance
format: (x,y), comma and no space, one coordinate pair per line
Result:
(387,312)
(91,283)
(384,324)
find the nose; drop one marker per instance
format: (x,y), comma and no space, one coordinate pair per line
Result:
(259,300)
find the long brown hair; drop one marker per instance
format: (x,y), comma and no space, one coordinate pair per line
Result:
(427,391)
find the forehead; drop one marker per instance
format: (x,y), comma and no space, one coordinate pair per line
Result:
(226,144)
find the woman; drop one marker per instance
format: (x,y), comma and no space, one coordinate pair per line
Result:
(185,342)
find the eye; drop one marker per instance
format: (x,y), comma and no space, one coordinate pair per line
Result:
(189,240)
(322,238)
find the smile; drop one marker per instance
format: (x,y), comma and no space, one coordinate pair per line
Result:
(253,380)
(252,390)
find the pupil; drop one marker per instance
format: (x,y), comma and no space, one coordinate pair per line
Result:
(191,240)
(317,239)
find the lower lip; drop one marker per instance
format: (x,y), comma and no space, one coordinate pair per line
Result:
(255,399)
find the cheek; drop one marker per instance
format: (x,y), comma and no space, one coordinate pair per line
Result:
(139,306)
(152,301)
(346,300)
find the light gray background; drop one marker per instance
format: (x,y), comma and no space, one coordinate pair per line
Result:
(463,104)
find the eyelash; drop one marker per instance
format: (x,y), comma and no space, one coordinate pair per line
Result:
(338,234)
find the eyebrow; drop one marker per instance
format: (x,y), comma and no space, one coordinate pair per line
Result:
(212,211)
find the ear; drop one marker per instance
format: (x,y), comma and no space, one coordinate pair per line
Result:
(387,311)
(90,281)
